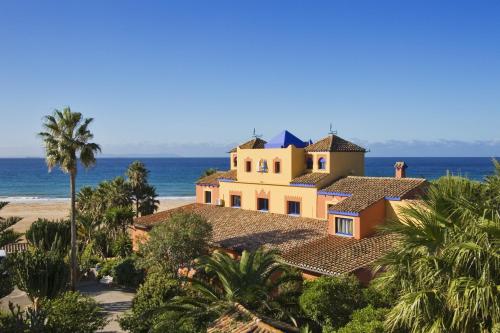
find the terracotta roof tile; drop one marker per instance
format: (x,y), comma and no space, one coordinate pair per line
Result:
(365,191)
(255,143)
(239,229)
(333,255)
(213,179)
(310,178)
(333,143)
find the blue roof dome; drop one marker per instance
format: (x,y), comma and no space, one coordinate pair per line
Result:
(284,139)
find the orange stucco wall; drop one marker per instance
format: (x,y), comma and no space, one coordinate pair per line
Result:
(200,193)
(138,236)
(322,202)
(370,218)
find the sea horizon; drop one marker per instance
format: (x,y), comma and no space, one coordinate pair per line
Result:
(26,179)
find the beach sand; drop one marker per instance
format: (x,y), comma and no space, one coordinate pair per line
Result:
(32,210)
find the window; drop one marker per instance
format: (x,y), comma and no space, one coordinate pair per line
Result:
(343,226)
(262,166)
(277,167)
(293,207)
(322,164)
(263,204)
(208,197)
(248,166)
(235,201)
(309,163)
(235,161)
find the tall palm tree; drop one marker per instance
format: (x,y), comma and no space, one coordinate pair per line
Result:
(254,281)
(447,263)
(67,141)
(143,194)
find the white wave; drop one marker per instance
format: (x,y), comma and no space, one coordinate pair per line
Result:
(27,199)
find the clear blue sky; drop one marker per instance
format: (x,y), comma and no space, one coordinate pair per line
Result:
(161,76)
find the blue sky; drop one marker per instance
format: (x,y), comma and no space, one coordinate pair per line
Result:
(406,78)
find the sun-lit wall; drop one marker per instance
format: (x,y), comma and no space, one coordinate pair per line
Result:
(277,195)
(291,162)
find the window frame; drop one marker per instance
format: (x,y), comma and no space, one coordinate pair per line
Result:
(309,163)
(233,196)
(277,163)
(321,163)
(295,204)
(248,166)
(235,161)
(347,227)
(209,193)
(267,204)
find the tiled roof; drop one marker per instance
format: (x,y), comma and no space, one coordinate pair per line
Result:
(333,143)
(239,229)
(310,178)
(213,179)
(14,247)
(365,191)
(255,143)
(240,320)
(304,242)
(332,255)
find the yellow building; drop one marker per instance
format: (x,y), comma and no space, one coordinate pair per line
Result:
(309,200)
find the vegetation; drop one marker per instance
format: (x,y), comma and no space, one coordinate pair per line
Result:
(75,313)
(208,172)
(50,235)
(330,301)
(177,243)
(447,265)
(39,273)
(366,320)
(8,236)
(67,142)
(125,273)
(143,194)
(156,292)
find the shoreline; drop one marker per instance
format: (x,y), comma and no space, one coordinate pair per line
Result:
(41,200)
(58,208)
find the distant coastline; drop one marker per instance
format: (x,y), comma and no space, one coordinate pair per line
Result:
(28,180)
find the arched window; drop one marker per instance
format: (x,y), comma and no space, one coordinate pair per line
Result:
(322,163)
(235,161)
(309,163)
(262,165)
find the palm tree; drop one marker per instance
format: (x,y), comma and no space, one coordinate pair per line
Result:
(447,263)
(8,236)
(254,281)
(67,141)
(143,194)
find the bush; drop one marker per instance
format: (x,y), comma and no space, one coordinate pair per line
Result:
(50,235)
(40,274)
(176,243)
(366,320)
(126,274)
(73,312)
(106,267)
(154,293)
(122,245)
(6,283)
(329,301)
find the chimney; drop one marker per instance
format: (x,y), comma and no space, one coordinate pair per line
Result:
(400,169)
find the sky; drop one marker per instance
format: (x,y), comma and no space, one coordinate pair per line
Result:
(193,78)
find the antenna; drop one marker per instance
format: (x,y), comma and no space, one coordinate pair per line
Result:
(331,131)
(255,135)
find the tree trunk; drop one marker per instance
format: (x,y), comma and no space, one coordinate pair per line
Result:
(74,263)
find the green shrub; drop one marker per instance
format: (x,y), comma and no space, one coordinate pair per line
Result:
(122,245)
(40,274)
(366,320)
(154,293)
(329,301)
(19,321)
(50,235)
(106,267)
(6,283)
(126,274)
(103,243)
(73,312)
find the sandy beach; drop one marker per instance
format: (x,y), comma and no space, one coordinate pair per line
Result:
(50,209)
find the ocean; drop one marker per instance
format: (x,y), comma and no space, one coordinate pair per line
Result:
(27,179)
